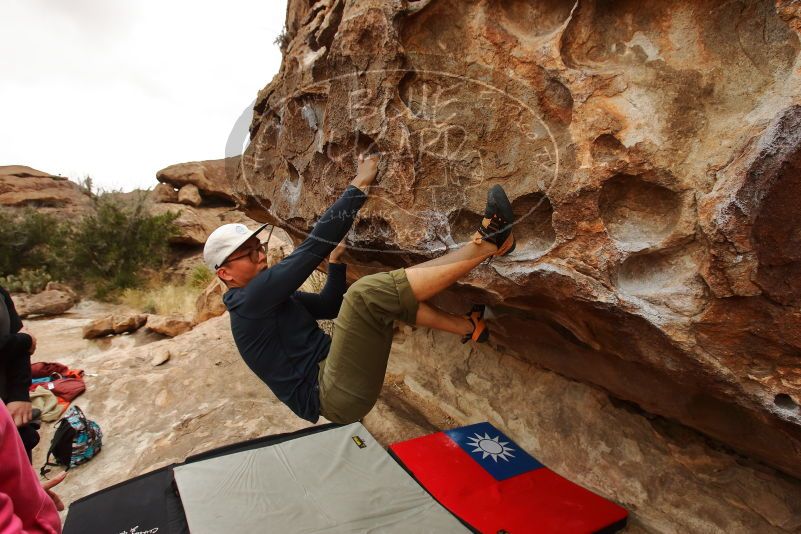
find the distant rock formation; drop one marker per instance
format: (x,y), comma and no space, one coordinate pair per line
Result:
(22,186)
(200,191)
(209,177)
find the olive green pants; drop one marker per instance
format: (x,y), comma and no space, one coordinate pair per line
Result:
(353,373)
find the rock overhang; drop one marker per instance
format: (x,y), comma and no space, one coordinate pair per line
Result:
(651,154)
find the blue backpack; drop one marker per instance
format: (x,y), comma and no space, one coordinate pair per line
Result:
(76,440)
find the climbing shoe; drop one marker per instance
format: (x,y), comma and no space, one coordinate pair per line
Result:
(480,332)
(496,227)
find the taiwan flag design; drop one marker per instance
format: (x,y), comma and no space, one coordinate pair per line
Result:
(493,485)
(493,450)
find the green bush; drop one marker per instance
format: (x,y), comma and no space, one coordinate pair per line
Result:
(110,247)
(201,276)
(26,280)
(30,240)
(108,250)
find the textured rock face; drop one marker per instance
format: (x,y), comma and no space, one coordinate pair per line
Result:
(47,302)
(22,186)
(190,195)
(164,193)
(210,177)
(652,152)
(168,325)
(114,324)
(196,223)
(154,416)
(209,304)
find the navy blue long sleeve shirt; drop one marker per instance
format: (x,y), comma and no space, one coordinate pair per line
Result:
(275,325)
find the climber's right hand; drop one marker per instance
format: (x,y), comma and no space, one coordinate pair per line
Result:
(366,170)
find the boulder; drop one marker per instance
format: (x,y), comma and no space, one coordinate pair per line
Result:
(212,177)
(160,356)
(190,195)
(99,328)
(128,323)
(48,302)
(59,286)
(113,324)
(164,193)
(195,224)
(168,325)
(651,152)
(209,303)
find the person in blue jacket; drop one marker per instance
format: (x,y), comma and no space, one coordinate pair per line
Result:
(275,326)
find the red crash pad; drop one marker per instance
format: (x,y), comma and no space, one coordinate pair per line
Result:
(493,485)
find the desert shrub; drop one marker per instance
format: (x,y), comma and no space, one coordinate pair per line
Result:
(111,247)
(282,40)
(31,241)
(26,280)
(200,276)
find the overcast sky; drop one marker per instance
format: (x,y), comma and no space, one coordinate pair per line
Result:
(118,89)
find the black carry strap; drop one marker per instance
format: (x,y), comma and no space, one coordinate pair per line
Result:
(63,434)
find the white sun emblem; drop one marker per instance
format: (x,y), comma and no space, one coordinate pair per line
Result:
(491,447)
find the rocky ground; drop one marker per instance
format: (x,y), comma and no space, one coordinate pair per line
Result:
(669,477)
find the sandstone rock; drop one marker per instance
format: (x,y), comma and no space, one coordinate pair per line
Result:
(128,323)
(160,356)
(651,152)
(210,177)
(195,224)
(190,195)
(209,303)
(22,186)
(114,324)
(99,328)
(164,193)
(48,302)
(168,325)
(670,478)
(58,286)
(278,249)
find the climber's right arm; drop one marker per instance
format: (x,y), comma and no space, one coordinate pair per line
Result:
(274,285)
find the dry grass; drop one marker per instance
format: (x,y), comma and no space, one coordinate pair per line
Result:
(163,300)
(166,299)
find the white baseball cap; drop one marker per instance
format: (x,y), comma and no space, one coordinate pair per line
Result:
(224,241)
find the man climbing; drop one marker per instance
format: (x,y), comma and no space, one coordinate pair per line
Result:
(275,326)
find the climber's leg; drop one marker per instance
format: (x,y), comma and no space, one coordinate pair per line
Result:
(493,238)
(350,378)
(432,317)
(431,277)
